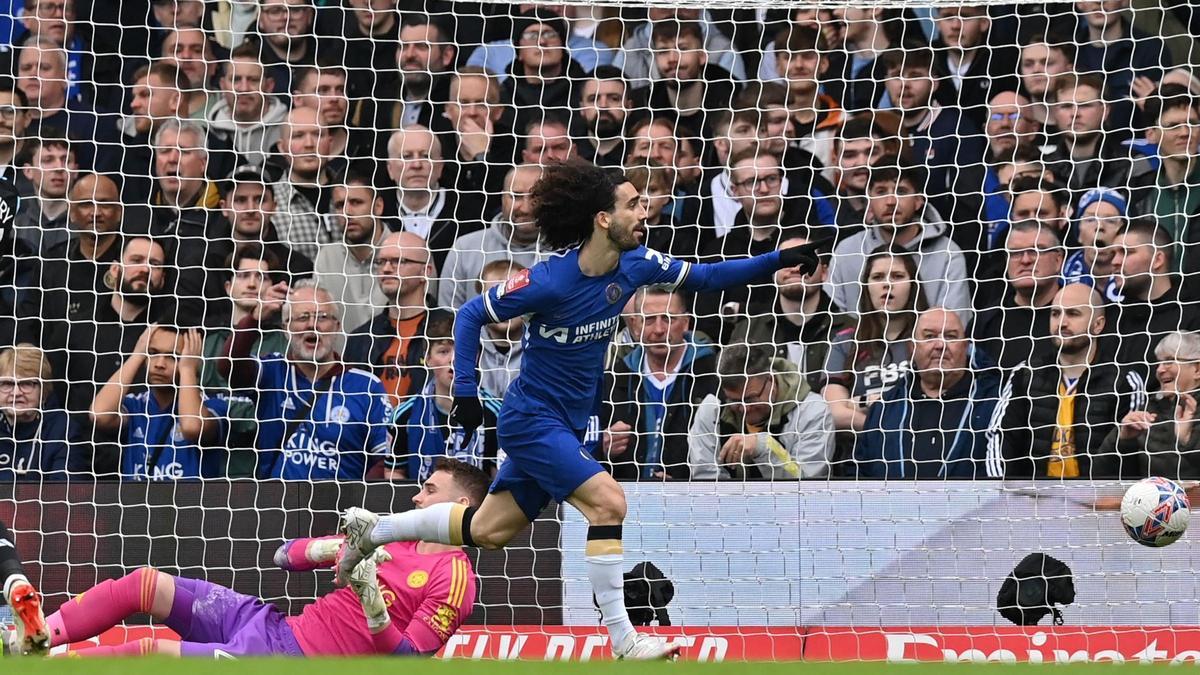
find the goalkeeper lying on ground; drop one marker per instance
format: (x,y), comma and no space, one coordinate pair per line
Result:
(431,589)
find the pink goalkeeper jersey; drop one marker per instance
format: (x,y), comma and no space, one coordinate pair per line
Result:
(428,595)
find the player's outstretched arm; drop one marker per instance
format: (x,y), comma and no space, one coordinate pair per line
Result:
(468,324)
(308,553)
(703,278)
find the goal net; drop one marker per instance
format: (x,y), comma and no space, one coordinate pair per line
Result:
(237,235)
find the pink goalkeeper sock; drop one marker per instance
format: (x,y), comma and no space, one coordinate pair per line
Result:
(110,602)
(140,647)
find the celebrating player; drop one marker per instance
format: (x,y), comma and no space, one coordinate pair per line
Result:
(31,636)
(574,299)
(431,588)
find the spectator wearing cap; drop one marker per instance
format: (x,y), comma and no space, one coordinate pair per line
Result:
(302,192)
(1101,214)
(391,344)
(1085,153)
(1013,314)
(684,81)
(604,107)
(586,50)
(1162,440)
(636,56)
(933,423)
(345,268)
(542,76)
(901,217)
(1150,306)
(33,425)
(248,117)
(248,203)
(436,214)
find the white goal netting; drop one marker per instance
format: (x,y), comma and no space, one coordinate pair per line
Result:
(236,235)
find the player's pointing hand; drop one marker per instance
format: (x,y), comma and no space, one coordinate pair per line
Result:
(806,256)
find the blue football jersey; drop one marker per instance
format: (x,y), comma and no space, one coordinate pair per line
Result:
(570,321)
(340,437)
(155,449)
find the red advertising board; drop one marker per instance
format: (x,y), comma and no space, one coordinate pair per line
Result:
(1061,644)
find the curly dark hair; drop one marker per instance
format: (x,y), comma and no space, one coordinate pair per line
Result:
(567,198)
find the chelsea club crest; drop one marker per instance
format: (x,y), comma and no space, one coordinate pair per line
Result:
(612,293)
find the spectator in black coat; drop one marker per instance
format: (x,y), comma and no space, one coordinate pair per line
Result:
(33,428)
(977,68)
(684,82)
(651,394)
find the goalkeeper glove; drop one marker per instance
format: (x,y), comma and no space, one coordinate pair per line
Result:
(466,412)
(806,256)
(365,583)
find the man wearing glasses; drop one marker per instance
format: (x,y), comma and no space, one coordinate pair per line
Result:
(392,344)
(317,418)
(766,423)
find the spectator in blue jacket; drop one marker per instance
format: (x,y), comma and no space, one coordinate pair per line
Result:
(33,431)
(933,423)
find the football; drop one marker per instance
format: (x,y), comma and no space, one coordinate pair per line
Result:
(1155,511)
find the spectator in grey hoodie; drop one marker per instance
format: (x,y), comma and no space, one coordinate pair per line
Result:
(247,116)
(502,345)
(899,216)
(511,235)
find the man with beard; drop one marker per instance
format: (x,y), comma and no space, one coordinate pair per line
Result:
(420,87)
(157,94)
(686,83)
(302,194)
(511,235)
(102,333)
(1058,408)
(318,419)
(191,51)
(345,269)
(41,221)
(803,322)
(323,88)
(933,422)
(1150,305)
(170,430)
(604,105)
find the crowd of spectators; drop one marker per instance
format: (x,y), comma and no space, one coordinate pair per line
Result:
(235,235)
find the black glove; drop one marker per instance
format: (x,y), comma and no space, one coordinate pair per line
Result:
(807,256)
(466,412)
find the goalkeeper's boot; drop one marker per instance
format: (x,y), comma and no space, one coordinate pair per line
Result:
(32,635)
(643,647)
(356,524)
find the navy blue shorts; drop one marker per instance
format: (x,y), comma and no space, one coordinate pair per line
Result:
(545,460)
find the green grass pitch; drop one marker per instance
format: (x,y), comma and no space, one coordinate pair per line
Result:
(397,666)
